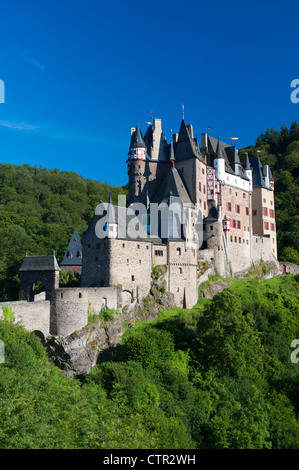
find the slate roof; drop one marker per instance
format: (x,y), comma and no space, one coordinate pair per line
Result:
(258,176)
(40,263)
(212,215)
(137,139)
(122,214)
(230,155)
(73,254)
(173,185)
(187,146)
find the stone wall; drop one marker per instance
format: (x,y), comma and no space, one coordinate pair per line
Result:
(264,198)
(33,315)
(131,266)
(182,274)
(69,308)
(290,268)
(261,249)
(238,238)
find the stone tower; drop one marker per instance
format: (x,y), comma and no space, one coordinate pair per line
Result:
(137,166)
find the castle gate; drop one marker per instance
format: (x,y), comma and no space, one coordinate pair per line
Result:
(42,269)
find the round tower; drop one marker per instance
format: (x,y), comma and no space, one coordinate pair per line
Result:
(219,163)
(136,165)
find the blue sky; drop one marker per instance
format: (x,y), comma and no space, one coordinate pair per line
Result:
(79,74)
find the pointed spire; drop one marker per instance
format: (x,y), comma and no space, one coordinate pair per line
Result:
(137,139)
(236,158)
(247,164)
(110,211)
(219,150)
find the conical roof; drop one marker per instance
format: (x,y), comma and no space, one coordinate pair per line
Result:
(247,164)
(137,139)
(73,254)
(219,152)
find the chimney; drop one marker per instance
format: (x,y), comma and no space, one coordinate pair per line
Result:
(204,142)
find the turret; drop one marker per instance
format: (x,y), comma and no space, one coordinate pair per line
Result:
(137,149)
(237,167)
(219,163)
(248,171)
(111,226)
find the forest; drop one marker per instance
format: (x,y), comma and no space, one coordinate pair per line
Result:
(219,376)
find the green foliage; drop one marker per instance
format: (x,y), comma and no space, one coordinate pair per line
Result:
(69,279)
(148,347)
(39,210)
(215,377)
(8,313)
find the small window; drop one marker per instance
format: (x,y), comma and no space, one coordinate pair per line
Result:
(178,251)
(124,245)
(180,270)
(140,261)
(80,295)
(211,228)
(133,278)
(61,295)
(138,247)
(88,246)
(96,258)
(240,240)
(128,261)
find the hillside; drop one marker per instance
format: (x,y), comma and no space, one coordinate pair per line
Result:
(218,376)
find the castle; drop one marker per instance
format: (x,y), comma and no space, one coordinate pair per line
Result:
(210,209)
(235,204)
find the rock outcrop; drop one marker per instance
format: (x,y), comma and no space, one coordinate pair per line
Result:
(77,353)
(215,287)
(157,299)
